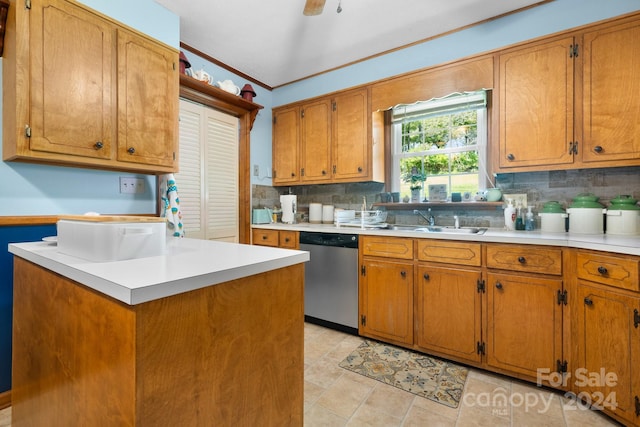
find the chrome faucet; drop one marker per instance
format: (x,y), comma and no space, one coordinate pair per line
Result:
(430,219)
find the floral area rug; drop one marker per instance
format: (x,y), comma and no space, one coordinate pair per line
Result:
(422,375)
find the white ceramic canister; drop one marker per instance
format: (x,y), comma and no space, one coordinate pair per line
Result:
(327,214)
(586,215)
(623,216)
(552,218)
(315,213)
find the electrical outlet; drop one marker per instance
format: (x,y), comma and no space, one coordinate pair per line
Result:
(516,198)
(130,185)
(256,170)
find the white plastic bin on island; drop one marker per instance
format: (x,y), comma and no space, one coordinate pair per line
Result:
(112,240)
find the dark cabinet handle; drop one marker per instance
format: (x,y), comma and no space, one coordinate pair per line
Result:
(131,150)
(498,285)
(286,240)
(403,273)
(292,174)
(264,237)
(511,157)
(359,168)
(588,301)
(598,149)
(324,172)
(98,145)
(602,270)
(522,259)
(426,276)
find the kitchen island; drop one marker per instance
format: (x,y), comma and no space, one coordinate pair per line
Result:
(209,334)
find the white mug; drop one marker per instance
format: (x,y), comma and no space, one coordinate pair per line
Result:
(202,75)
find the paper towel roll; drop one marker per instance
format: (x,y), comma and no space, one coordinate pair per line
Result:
(315,213)
(288,202)
(327,214)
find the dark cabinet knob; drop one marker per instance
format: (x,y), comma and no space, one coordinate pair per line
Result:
(602,270)
(264,237)
(522,259)
(588,301)
(403,274)
(98,145)
(293,174)
(598,149)
(324,172)
(131,150)
(359,168)
(498,285)
(286,240)
(511,157)
(426,276)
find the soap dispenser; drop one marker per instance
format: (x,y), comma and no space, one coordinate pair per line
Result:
(510,216)
(530,223)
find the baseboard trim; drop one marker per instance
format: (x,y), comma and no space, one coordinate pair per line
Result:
(5,399)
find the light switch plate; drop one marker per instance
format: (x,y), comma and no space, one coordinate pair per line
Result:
(522,198)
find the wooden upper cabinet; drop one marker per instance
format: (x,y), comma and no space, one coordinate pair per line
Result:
(536,105)
(350,149)
(286,133)
(81,89)
(611,131)
(148,98)
(315,141)
(72,81)
(326,140)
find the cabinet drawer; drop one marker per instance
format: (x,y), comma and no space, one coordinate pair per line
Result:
(388,247)
(525,258)
(461,253)
(289,239)
(265,237)
(615,271)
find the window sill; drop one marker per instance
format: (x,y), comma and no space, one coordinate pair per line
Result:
(439,205)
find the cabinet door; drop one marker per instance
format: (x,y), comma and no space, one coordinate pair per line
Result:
(448,311)
(315,120)
(610,90)
(536,105)
(608,348)
(148,100)
(286,135)
(524,323)
(386,301)
(350,136)
(72,81)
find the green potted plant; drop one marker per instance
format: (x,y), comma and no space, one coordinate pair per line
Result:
(416,181)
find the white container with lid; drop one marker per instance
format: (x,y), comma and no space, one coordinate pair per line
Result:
(315,213)
(104,238)
(552,218)
(586,215)
(623,216)
(327,214)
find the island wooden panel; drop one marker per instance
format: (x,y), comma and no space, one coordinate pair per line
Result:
(229,354)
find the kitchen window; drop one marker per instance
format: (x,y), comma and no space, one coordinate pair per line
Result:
(441,141)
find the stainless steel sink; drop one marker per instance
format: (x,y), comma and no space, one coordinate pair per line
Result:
(438,229)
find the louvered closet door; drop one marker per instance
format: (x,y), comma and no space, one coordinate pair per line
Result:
(208,178)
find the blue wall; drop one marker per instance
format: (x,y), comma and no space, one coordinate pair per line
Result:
(12,235)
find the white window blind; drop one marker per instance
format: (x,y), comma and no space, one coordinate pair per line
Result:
(208,177)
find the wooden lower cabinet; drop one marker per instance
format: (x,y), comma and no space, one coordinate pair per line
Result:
(386,300)
(276,238)
(448,312)
(606,371)
(524,324)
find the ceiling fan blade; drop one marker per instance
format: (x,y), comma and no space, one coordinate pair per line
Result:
(313,7)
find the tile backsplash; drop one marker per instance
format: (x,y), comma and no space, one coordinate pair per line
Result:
(539,187)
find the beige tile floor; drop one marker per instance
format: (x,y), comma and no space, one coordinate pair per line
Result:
(336,397)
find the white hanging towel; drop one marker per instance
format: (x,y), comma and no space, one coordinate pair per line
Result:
(171,205)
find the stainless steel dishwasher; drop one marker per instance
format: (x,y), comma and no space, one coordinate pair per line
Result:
(331,280)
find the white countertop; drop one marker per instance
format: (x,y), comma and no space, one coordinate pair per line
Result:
(629,245)
(189,264)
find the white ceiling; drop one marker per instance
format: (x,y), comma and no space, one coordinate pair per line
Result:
(274,43)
